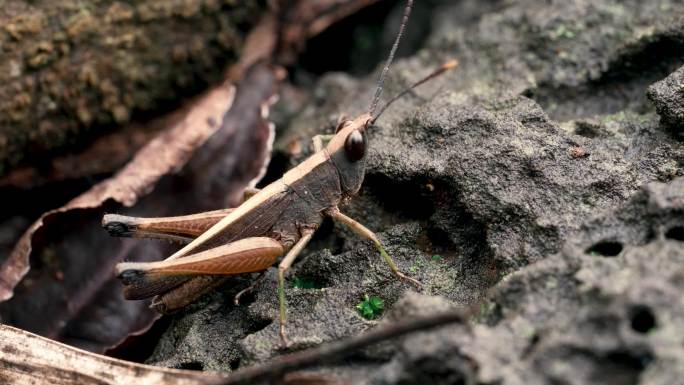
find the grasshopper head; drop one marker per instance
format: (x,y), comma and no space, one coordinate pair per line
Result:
(347,151)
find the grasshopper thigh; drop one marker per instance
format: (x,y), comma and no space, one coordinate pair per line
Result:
(242,256)
(178,228)
(144,279)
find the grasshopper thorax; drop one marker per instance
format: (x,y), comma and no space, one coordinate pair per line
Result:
(348,149)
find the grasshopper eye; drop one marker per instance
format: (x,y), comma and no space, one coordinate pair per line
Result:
(355,146)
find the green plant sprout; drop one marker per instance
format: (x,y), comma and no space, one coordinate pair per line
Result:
(437,258)
(370,307)
(416,266)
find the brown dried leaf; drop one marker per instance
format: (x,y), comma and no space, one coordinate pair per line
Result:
(202,162)
(30,359)
(69,294)
(162,155)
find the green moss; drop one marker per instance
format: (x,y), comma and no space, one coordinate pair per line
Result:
(563,32)
(371,307)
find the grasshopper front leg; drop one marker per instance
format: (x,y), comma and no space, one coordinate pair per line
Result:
(361,230)
(318,141)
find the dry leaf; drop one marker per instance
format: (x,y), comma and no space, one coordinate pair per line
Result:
(69,282)
(30,359)
(202,162)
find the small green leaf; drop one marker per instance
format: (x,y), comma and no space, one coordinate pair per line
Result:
(437,257)
(376,303)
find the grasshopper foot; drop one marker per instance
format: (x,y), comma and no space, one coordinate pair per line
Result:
(249,289)
(284,341)
(118,225)
(236,299)
(405,278)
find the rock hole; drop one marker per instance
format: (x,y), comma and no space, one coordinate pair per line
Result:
(308,282)
(605,249)
(439,237)
(642,319)
(587,129)
(358,43)
(138,348)
(235,364)
(676,233)
(620,366)
(278,165)
(257,324)
(534,341)
(247,298)
(650,236)
(409,198)
(632,360)
(190,365)
(326,238)
(452,369)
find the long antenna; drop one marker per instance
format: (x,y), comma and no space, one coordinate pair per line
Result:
(453,63)
(381,80)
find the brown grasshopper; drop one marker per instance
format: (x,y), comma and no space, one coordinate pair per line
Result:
(280,218)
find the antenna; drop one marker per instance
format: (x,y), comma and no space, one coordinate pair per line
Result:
(451,64)
(381,80)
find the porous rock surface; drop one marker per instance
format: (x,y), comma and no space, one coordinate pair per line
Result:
(536,181)
(668,97)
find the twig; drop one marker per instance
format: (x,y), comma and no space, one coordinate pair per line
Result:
(331,351)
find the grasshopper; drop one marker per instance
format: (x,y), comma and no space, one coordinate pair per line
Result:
(278,219)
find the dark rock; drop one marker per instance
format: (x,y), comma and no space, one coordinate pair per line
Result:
(537,168)
(595,319)
(668,97)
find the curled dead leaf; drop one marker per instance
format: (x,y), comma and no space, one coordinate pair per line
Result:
(31,359)
(203,161)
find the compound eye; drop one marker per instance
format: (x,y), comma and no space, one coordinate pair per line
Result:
(355,146)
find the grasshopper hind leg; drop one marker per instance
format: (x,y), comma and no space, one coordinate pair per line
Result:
(182,229)
(179,281)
